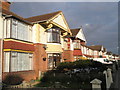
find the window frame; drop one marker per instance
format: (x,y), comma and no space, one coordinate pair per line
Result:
(22,30)
(53,32)
(51,64)
(14,58)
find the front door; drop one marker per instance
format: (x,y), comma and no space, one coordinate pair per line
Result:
(53,60)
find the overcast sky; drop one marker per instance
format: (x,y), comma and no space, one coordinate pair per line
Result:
(98,19)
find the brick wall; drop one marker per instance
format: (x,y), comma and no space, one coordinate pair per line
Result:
(18,45)
(39,54)
(26,75)
(68,55)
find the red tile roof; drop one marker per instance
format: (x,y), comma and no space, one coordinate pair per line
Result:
(77,53)
(44,17)
(75,31)
(11,14)
(96,47)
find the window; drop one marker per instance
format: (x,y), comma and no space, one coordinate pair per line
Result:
(53,60)
(76,44)
(21,31)
(30,33)
(6,61)
(54,35)
(14,62)
(18,61)
(14,29)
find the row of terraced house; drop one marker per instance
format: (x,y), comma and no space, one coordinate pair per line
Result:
(36,44)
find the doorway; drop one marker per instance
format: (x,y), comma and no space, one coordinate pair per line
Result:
(53,60)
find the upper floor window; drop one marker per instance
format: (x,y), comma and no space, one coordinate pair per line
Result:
(77,44)
(21,30)
(54,35)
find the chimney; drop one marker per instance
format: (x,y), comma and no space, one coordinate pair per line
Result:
(6,4)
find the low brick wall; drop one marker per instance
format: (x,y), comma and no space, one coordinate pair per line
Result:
(26,75)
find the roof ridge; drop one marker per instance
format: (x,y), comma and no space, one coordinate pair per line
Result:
(43,17)
(75,28)
(8,12)
(44,14)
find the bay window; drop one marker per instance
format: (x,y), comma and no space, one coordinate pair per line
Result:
(14,29)
(17,61)
(54,35)
(77,44)
(21,30)
(6,61)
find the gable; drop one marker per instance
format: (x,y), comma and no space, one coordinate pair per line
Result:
(60,20)
(75,32)
(80,35)
(102,49)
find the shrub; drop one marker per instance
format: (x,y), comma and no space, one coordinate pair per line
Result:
(13,79)
(64,73)
(81,64)
(65,65)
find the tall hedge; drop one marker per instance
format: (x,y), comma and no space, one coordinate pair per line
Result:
(81,64)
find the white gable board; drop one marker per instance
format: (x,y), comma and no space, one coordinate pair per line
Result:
(81,36)
(60,21)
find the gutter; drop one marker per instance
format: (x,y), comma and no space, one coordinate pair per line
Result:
(8,16)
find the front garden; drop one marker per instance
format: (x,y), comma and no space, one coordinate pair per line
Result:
(76,74)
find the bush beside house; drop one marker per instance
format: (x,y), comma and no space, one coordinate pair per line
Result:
(13,79)
(76,74)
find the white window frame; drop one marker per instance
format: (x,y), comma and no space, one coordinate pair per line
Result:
(24,61)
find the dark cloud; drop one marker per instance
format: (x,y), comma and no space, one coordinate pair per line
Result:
(99,19)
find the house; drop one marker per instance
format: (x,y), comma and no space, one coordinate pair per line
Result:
(87,52)
(98,50)
(115,57)
(68,50)
(75,42)
(18,48)
(48,31)
(109,55)
(32,45)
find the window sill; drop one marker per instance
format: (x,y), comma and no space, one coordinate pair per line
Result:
(54,42)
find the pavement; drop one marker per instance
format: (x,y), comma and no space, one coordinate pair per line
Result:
(116,80)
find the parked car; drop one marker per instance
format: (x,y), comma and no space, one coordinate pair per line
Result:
(103,60)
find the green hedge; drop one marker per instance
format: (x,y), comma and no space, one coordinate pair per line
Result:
(81,64)
(76,80)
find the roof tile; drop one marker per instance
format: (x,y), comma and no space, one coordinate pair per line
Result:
(75,31)
(44,17)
